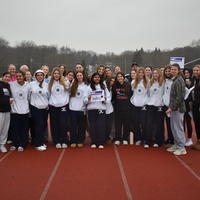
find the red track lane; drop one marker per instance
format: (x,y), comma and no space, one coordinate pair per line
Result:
(192,159)
(88,174)
(156,174)
(23,175)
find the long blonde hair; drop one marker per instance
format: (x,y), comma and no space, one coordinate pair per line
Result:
(160,79)
(61,79)
(136,82)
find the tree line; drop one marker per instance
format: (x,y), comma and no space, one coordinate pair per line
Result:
(27,52)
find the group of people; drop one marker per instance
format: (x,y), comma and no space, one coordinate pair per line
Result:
(140,102)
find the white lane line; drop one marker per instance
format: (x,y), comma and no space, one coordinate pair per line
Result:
(5,156)
(123,175)
(188,168)
(51,177)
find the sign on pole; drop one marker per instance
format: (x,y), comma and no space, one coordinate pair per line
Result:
(178,60)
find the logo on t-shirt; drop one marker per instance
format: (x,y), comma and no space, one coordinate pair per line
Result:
(140,90)
(20,95)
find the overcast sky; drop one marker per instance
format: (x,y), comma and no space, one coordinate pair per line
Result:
(101,25)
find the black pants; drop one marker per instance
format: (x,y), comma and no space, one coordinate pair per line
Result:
(155,125)
(170,137)
(188,123)
(196,116)
(138,120)
(58,122)
(78,126)
(39,119)
(122,122)
(19,129)
(109,124)
(97,122)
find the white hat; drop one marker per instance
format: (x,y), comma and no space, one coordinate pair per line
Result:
(39,71)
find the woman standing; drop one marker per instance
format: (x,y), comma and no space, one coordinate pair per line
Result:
(5,101)
(188,102)
(20,112)
(155,114)
(166,96)
(109,110)
(39,108)
(196,104)
(96,100)
(59,108)
(140,87)
(177,110)
(121,93)
(77,108)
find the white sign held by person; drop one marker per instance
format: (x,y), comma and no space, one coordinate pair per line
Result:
(97,95)
(178,60)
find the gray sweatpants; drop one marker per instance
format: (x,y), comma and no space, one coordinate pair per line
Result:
(4,126)
(176,122)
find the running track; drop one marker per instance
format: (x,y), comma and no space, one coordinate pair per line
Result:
(119,173)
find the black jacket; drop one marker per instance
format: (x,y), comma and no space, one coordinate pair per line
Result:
(5,94)
(177,95)
(121,95)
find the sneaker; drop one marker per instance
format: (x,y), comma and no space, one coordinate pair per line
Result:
(3,149)
(172,148)
(93,146)
(40,148)
(20,149)
(180,151)
(125,142)
(155,145)
(189,142)
(44,145)
(146,146)
(101,147)
(117,142)
(12,148)
(58,146)
(79,145)
(139,142)
(64,146)
(73,145)
(9,142)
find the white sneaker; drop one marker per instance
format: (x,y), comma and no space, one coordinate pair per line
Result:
(12,148)
(172,148)
(20,149)
(180,151)
(189,142)
(9,142)
(146,146)
(3,149)
(125,142)
(101,147)
(155,145)
(41,148)
(58,146)
(139,142)
(64,146)
(117,142)
(93,146)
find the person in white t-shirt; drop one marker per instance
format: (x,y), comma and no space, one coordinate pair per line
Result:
(59,108)
(19,112)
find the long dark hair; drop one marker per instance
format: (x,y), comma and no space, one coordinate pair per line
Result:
(108,80)
(92,84)
(126,84)
(75,84)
